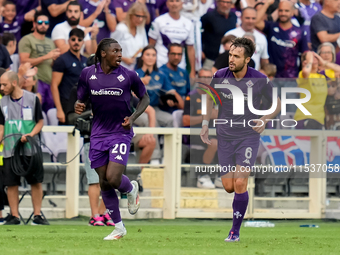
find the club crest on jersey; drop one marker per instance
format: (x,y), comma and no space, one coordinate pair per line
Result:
(249,83)
(121,78)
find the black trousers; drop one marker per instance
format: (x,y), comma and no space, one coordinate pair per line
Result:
(3,196)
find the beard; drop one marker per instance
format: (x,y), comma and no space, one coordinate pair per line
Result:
(42,32)
(238,68)
(76,49)
(73,22)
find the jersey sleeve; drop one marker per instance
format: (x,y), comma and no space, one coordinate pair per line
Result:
(137,85)
(83,87)
(154,30)
(57,33)
(59,65)
(25,45)
(266,28)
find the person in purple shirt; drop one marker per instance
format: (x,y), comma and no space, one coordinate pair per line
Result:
(109,86)
(101,13)
(307,9)
(12,22)
(238,143)
(162,7)
(285,41)
(24,6)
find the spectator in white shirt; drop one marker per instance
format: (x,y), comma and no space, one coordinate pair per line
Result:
(131,34)
(172,27)
(248,18)
(60,33)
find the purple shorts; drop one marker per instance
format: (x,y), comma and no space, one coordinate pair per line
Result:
(116,150)
(237,152)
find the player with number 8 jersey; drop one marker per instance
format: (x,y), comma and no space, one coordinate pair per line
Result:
(108,85)
(237,143)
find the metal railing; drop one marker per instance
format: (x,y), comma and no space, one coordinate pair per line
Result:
(172,176)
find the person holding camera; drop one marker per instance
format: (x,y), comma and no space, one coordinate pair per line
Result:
(109,86)
(21,114)
(66,71)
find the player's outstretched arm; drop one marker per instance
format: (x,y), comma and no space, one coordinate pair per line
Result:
(260,125)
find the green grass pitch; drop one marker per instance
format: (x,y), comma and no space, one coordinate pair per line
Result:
(180,236)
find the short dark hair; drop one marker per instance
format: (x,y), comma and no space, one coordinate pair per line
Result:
(75,3)
(7,37)
(227,39)
(38,14)
(246,44)
(7,3)
(103,46)
(77,32)
(174,45)
(140,61)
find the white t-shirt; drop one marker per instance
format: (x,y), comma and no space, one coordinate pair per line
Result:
(166,30)
(15,62)
(62,31)
(261,51)
(130,44)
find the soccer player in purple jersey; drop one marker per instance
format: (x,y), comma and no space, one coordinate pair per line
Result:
(109,86)
(238,144)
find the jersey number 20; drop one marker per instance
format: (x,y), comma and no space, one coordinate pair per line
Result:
(122,148)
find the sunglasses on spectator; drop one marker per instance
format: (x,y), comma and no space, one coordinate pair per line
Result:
(140,16)
(73,39)
(174,54)
(40,22)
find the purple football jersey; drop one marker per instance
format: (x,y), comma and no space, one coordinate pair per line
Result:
(284,47)
(89,8)
(24,6)
(14,27)
(110,96)
(124,4)
(307,12)
(261,86)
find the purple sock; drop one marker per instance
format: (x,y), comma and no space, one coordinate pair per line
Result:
(112,204)
(240,204)
(125,186)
